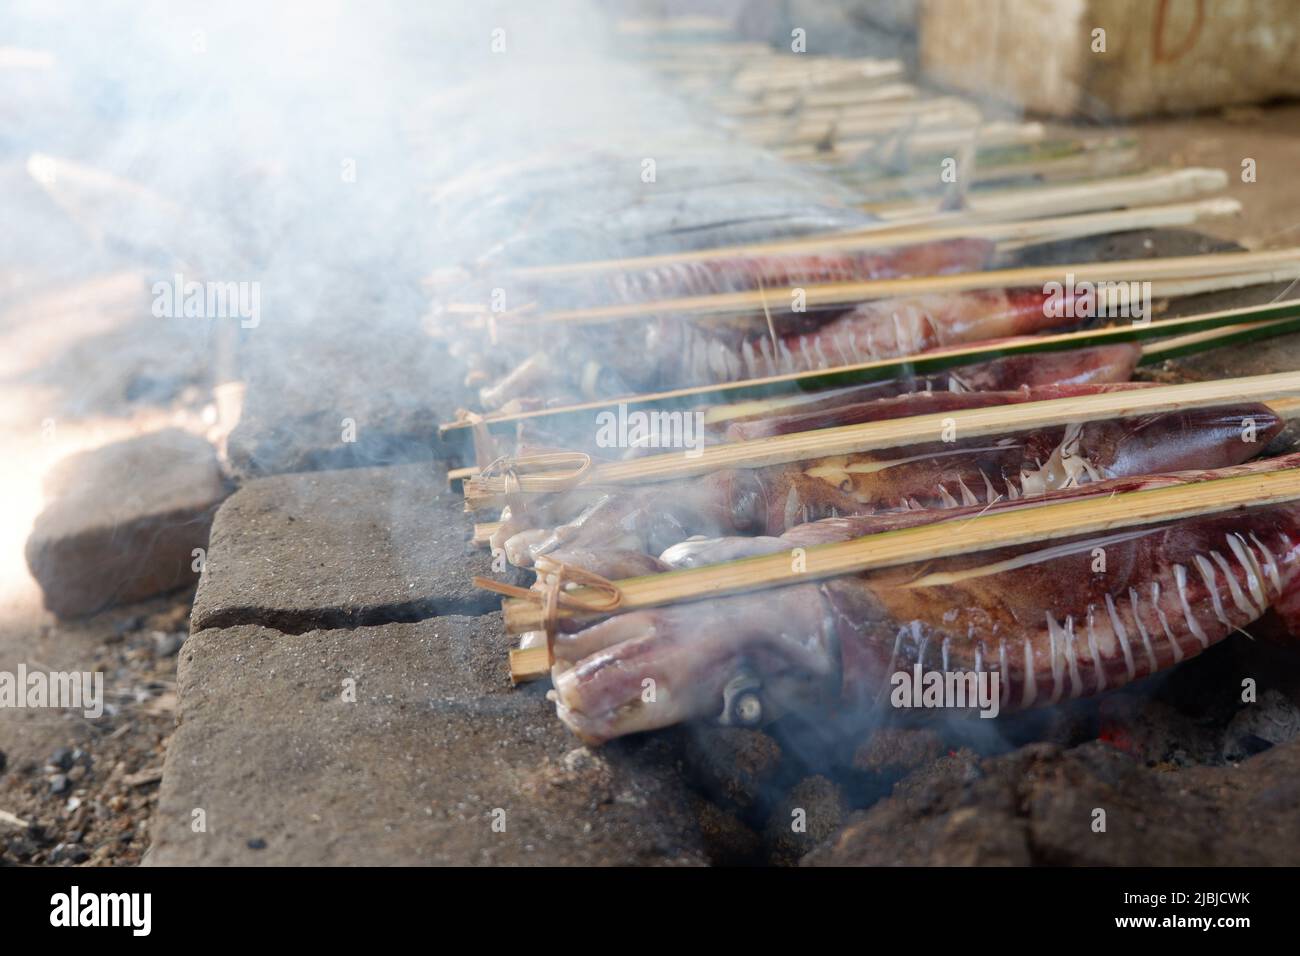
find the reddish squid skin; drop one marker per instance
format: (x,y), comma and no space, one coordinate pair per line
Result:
(919,403)
(1091,366)
(658,361)
(1098,365)
(775,270)
(1045,619)
(907,326)
(1056,628)
(771,500)
(700,552)
(947,475)
(684,353)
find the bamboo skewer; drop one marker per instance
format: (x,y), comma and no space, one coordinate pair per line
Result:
(921,224)
(663,54)
(1133,189)
(800,112)
(1285,263)
(1197,341)
(1075,165)
(782,74)
(1015,235)
(1287,408)
(924,225)
(785,104)
(1010,234)
(929,116)
(999,529)
(1274,318)
(669,26)
(919,141)
(488,490)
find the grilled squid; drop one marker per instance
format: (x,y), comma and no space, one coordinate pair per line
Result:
(674,351)
(1047,620)
(842,406)
(740,273)
(935,476)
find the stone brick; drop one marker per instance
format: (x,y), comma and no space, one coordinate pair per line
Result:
(123,521)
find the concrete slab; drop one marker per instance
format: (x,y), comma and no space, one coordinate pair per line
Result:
(435,749)
(340,549)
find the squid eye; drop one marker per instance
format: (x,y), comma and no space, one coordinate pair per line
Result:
(664,532)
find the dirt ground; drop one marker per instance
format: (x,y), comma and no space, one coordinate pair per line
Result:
(1270,135)
(87,788)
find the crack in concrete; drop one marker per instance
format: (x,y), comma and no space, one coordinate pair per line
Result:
(297,621)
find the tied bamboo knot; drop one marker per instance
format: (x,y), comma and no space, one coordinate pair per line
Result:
(539,474)
(552,593)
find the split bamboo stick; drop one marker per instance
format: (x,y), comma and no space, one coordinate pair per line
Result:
(1058,168)
(1229,324)
(801,112)
(782,74)
(1287,408)
(676,26)
(997,529)
(1284,263)
(925,225)
(491,490)
(1011,233)
(919,141)
(881,120)
(784,104)
(1114,192)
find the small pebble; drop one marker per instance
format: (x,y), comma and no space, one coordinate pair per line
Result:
(69,853)
(257,843)
(61,759)
(124,627)
(58,783)
(167,645)
(21,849)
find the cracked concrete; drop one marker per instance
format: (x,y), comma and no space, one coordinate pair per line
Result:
(343,548)
(338,706)
(398,744)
